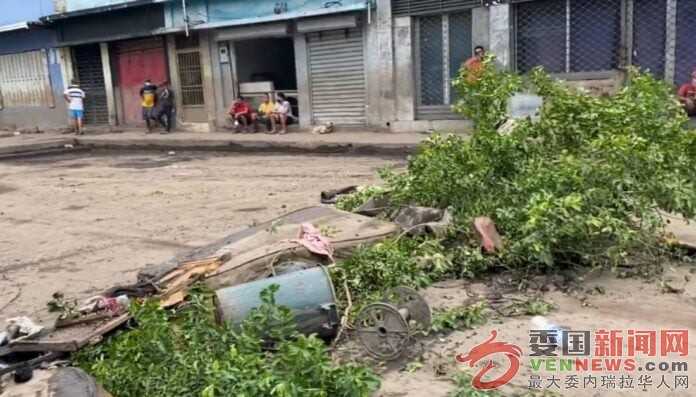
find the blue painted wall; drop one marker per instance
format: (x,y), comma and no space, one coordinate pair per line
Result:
(14,11)
(246,12)
(27,40)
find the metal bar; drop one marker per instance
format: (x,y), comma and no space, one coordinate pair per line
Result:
(671,41)
(445,60)
(567,58)
(418,67)
(627,45)
(186,19)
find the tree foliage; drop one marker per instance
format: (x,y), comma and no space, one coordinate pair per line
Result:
(187,354)
(583,183)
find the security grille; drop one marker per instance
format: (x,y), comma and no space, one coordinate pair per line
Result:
(188,56)
(420,7)
(444,42)
(649,34)
(88,65)
(568,36)
(685,51)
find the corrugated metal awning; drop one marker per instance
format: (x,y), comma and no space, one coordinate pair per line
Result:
(282,17)
(19,26)
(95,10)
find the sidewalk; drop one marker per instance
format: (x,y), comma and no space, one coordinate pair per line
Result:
(363,143)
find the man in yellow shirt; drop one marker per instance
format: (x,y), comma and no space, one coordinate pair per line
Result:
(148,94)
(264,113)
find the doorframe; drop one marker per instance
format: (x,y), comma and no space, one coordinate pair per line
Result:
(116,76)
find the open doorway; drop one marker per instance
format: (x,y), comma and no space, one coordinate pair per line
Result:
(267,60)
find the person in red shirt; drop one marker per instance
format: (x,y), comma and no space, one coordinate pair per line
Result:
(687,96)
(473,64)
(240,112)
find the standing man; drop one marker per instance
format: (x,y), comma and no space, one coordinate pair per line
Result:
(165,107)
(148,94)
(74,97)
(687,96)
(473,65)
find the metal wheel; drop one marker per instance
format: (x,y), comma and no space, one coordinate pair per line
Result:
(383,331)
(407,298)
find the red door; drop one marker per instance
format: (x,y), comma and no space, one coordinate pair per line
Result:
(137,61)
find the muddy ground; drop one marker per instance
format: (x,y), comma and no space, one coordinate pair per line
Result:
(81,223)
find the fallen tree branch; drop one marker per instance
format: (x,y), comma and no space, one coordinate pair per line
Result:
(9,302)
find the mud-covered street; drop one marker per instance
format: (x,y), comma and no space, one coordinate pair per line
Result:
(81,223)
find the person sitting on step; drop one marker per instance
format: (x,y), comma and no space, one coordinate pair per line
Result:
(282,114)
(240,113)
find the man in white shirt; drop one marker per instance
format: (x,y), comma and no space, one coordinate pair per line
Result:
(74,97)
(281,114)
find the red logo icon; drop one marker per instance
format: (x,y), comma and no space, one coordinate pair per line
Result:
(487,348)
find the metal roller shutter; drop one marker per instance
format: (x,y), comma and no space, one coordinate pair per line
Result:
(24,80)
(402,8)
(337,76)
(88,65)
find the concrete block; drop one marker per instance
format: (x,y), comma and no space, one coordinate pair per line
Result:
(441,126)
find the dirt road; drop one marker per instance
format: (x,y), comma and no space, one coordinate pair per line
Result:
(81,223)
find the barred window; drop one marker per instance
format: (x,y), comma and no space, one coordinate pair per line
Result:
(686,41)
(188,56)
(568,36)
(444,42)
(649,35)
(431,65)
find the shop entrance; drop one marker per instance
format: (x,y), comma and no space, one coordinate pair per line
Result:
(268,60)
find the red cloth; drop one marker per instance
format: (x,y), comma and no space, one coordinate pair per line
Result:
(687,90)
(313,241)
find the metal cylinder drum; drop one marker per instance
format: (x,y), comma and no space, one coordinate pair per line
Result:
(308,293)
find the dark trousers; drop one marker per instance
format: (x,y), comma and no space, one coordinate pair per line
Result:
(166,112)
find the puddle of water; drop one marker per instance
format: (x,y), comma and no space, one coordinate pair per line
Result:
(149,163)
(7,189)
(252,209)
(74,207)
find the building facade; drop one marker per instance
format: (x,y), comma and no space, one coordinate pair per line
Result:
(316,52)
(378,65)
(31,79)
(113,47)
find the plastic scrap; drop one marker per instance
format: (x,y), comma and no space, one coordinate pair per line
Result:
(25,326)
(116,305)
(540,323)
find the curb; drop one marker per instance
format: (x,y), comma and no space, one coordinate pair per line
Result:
(36,148)
(297,148)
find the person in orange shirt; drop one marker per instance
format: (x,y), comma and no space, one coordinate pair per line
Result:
(474,64)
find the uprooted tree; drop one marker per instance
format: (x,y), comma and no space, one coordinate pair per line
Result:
(583,183)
